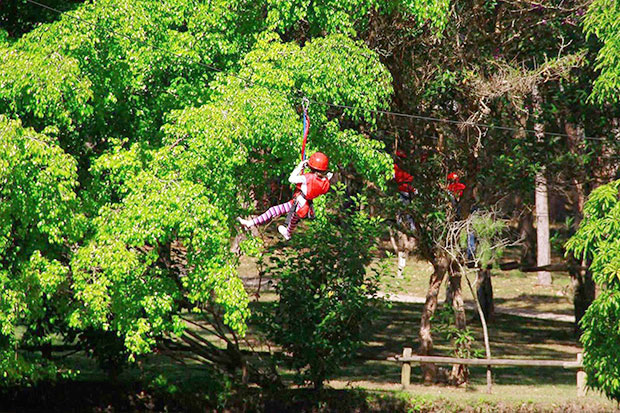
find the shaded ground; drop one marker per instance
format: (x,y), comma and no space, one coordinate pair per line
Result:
(512,336)
(518,311)
(515,388)
(511,289)
(106,397)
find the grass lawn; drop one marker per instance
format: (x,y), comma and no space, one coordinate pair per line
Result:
(510,336)
(511,289)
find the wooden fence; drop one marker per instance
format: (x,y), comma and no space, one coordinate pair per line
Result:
(407,358)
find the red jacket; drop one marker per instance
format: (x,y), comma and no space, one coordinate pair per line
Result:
(403,179)
(312,188)
(456,188)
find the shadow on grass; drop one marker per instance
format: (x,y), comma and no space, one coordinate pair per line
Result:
(531,301)
(510,337)
(396,327)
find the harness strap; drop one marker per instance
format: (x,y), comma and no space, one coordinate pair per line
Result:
(293,209)
(290,214)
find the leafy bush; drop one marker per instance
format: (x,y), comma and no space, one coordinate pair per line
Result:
(327,297)
(598,238)
(462,339)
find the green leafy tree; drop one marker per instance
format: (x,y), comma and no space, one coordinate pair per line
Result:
(38,224)
(602,21)
(112,69)
(327,298)
(350,16)
(186,194)
(598,239)
(161,151)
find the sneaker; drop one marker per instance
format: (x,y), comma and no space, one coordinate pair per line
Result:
(284,231)
(246,223)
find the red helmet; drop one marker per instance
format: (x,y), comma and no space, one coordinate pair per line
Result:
(401,154)
(319,161)
(452,176)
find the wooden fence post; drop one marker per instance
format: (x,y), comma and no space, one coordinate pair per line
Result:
(581,377)
(405,374)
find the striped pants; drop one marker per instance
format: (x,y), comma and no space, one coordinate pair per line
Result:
(276,211)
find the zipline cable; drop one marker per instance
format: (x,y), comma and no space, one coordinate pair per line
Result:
(451,121)
(298,93)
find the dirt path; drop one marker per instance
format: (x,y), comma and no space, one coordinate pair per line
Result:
(406,298)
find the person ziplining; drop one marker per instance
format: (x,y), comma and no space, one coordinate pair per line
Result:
(455,189)
(406,191)
(309,186)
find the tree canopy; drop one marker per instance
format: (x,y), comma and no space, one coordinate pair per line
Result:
(601,20)
(598,239)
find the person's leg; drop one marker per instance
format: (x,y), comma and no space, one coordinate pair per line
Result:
(411,223)
(293,224)
(471,245)
(287,231)
(271,213)
(402,262)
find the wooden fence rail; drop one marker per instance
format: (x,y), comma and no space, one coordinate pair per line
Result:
(407,358)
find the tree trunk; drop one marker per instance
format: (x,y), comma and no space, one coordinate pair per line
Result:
(542,202)
(485,293)
(543,247)
(606,167)
(459,372)
(528,235)
(584,291)
(440,266)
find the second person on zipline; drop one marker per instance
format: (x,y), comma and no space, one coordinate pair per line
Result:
(309,186)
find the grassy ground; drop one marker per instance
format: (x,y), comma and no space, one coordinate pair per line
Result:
(511,289)
(511,337)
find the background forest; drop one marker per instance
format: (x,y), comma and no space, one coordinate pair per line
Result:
(133,133)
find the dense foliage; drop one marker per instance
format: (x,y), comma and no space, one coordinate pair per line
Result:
(133,133)
(326,299)
(602,21)
(158,121)
(598,238)
(38,224)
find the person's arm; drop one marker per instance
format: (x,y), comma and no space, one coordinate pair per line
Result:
(329,176)
(297,174)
